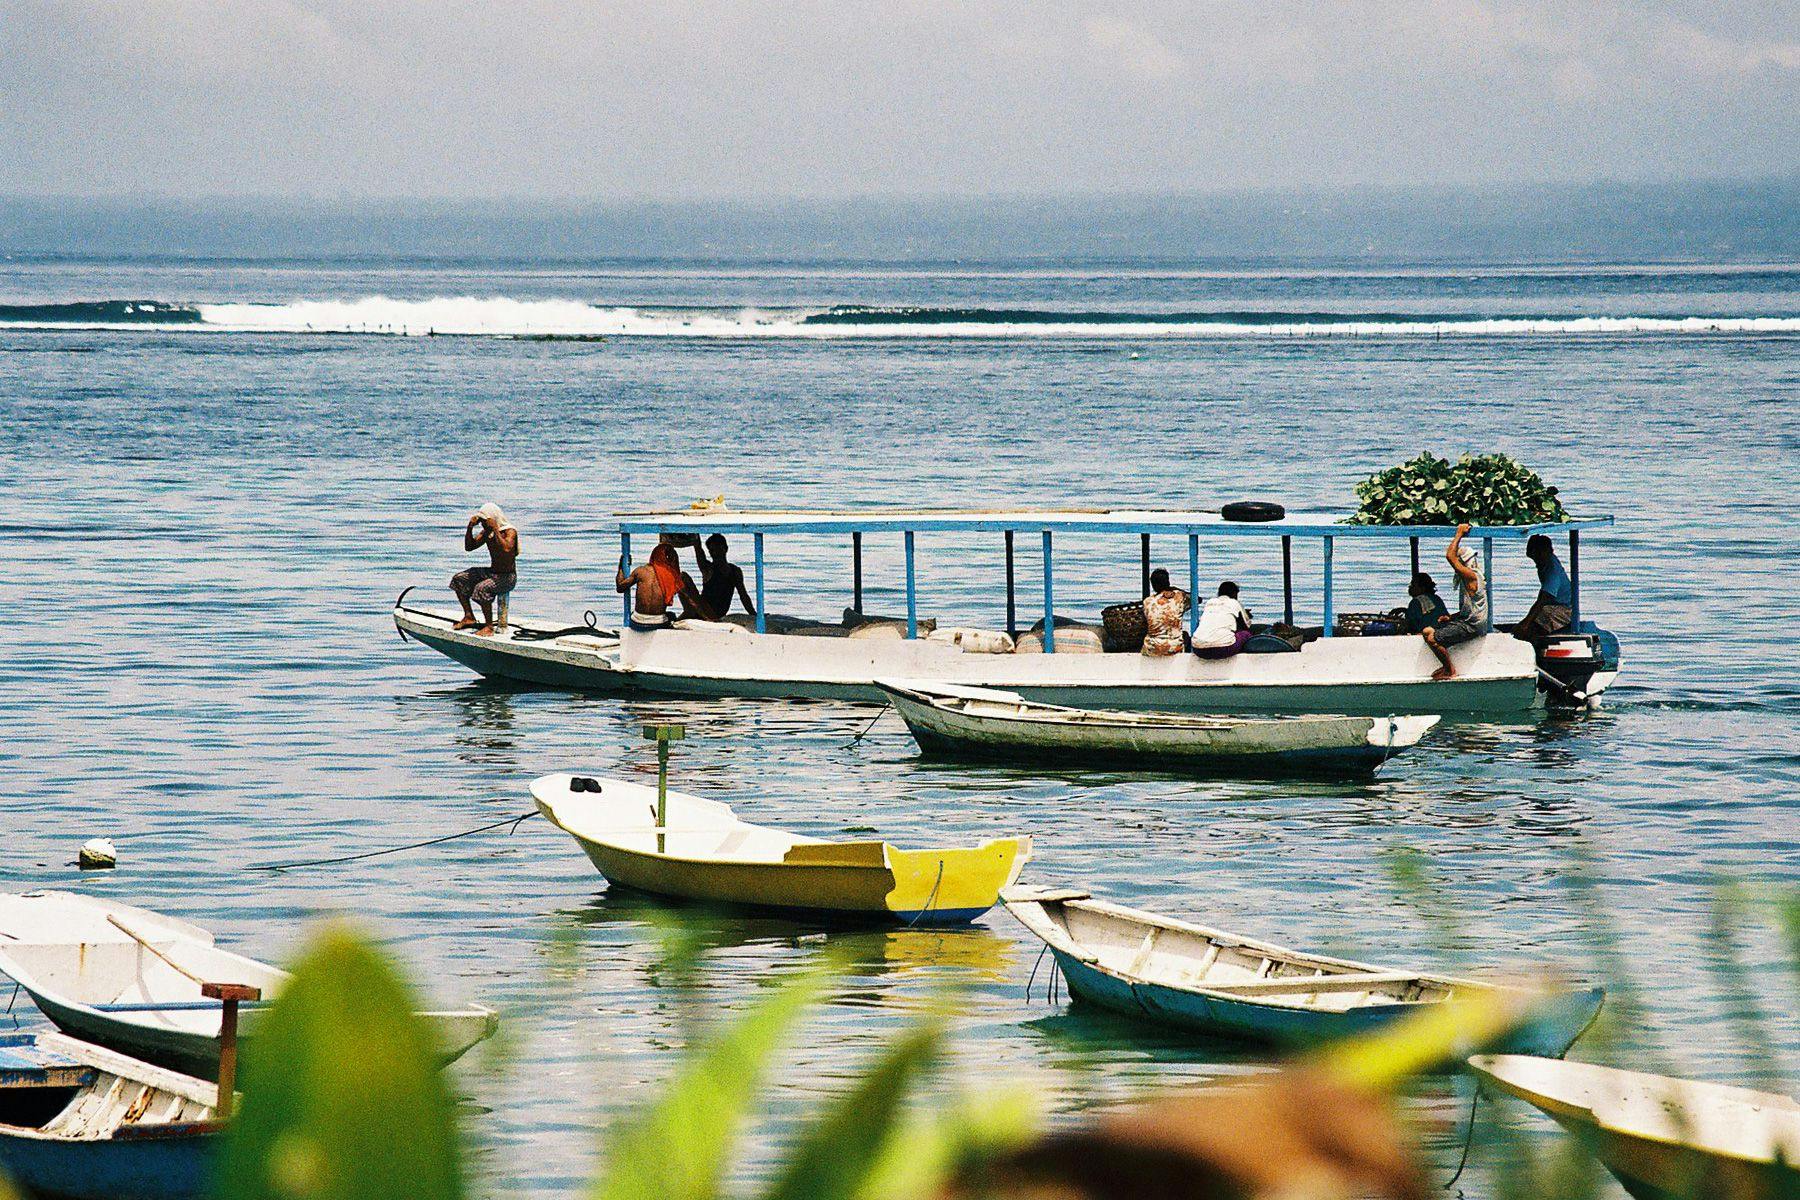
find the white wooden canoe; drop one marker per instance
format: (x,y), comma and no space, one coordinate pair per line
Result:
(81,1121)
(1663,1137)
(94,980)
(987,722)
(1206,980)
(706,853)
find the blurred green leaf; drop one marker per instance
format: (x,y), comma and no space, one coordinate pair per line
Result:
(342,1099)
(929,1150)
(844,1146)
(677,1149)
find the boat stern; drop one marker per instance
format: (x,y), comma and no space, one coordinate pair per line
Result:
(952,887)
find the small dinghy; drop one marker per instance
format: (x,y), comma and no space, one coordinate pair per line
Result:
(988,723)
(1662,1137)
(702,851)
(132,979)
(1191,977)
(84,1122)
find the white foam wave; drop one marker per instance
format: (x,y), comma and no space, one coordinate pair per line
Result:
(506,317)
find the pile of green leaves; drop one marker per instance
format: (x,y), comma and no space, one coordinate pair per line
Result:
(1486,489)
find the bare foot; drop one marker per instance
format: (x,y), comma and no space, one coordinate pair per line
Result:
(1444,673)
(485,631)
(465,623)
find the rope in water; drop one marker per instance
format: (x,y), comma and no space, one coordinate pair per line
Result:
(871,725)
(1468,1140)
(449,837)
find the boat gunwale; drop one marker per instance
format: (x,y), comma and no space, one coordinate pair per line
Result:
(1554,1107)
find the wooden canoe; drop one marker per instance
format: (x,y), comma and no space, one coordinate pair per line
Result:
(706,853)
(95,981)
(1663,1138)
(1205,980)
(989,723)
(84,1122)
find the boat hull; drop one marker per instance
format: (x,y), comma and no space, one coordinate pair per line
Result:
(162,1167)
(942,727)
(197,1054)
(1353,676)
(1704,1147)
(1550,1036)
(806,890)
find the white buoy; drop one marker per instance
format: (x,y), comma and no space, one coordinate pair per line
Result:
(98,854)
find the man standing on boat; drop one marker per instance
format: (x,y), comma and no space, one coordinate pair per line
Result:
(659,582)
(488,527)
(1471,619)
(720,579)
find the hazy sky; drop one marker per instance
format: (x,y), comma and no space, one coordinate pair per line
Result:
(671,99)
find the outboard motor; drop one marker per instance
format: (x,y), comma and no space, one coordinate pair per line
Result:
(1576,666)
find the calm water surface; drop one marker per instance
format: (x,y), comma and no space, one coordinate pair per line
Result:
(206,530)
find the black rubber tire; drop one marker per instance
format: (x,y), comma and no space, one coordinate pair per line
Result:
(1252,510)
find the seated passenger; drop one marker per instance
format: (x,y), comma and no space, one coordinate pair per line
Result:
(1224,624)
(1471,619)
(720,579)
(1427,609)
(657,582)
(1163,609)
(484,585)
(1553,610)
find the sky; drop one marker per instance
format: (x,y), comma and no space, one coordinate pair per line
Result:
(594,99)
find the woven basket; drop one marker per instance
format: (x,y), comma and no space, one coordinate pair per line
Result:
(1124,627)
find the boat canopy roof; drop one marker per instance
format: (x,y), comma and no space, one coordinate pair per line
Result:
(1118,520)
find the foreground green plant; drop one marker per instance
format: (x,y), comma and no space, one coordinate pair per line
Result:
(1488,489)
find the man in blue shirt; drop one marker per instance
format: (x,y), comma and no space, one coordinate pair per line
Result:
(1553,610)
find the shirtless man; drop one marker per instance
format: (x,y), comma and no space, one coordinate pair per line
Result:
(1471,619)
(658,582)
(720,579)
(488,527)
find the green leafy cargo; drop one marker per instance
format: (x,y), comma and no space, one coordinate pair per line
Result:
(1486,489)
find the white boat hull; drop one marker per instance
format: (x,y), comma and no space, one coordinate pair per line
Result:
(981,722)
(1353,676)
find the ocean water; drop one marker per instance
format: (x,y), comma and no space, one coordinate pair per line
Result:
(216,475)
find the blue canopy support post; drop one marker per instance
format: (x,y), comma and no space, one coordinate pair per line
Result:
(912,592)
(1415,553)
(855,572)
(1287,578)
(1049,601)
(1575,578)
(1330,609)
(1487,577)
(1193,582)
(762,609)
(1012,610)
(625,569)
(1144,578)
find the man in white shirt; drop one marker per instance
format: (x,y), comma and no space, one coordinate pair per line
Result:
(1224,624)
(1471,619)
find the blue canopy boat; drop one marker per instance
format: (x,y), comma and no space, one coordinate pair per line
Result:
(1313,669)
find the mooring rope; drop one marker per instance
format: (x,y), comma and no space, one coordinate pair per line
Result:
(866,728)
(1468,1140)
(449,837)
(933,896)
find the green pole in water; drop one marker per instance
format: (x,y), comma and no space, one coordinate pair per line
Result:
(664,734)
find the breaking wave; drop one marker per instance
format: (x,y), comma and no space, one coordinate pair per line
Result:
(553,319)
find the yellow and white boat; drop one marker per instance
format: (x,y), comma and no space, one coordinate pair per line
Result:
(1663,1138)
(704,852)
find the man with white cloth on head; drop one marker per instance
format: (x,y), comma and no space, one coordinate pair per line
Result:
(488,527)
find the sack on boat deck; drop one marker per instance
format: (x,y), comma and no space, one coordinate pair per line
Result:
(974,641)
(1072,637)
(855,621)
